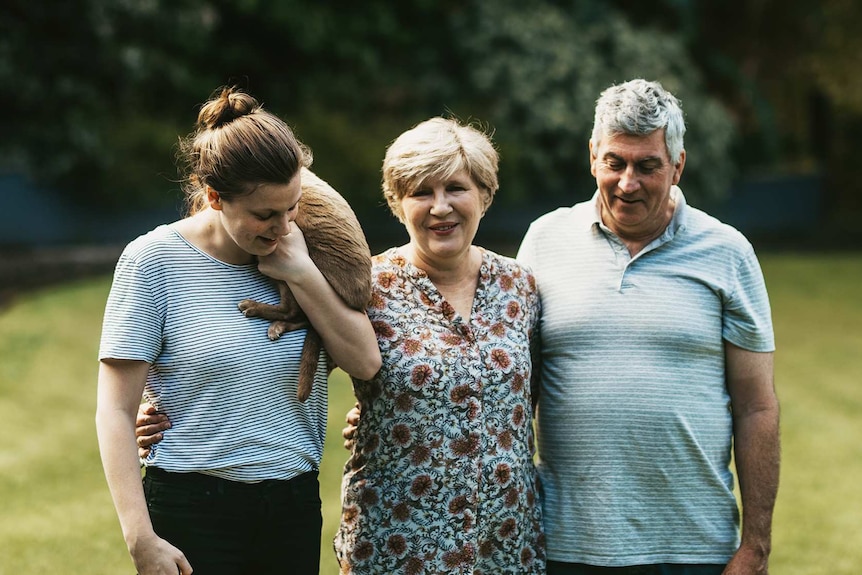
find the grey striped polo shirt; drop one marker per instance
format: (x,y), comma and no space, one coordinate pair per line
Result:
(634,417)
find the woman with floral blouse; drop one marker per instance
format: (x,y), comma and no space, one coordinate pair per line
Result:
(441,476)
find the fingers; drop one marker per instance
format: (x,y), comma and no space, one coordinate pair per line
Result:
(352,417)
(149,425)
(158,557)
(143,430)
(349,431)
(148,439)
(149,415)
(147,408)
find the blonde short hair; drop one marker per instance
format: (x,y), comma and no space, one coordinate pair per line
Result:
(437,149)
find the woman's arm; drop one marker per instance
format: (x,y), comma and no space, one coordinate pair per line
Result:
(346,333)
(121,383)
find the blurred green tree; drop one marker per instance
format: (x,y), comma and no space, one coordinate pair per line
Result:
(95,92)
(541,66)
(92,90)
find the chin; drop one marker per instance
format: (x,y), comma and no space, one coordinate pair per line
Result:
(262,248)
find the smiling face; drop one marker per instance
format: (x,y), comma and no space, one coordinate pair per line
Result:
(254,222)
(442,217)
(634,176)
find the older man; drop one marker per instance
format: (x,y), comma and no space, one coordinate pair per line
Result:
(656,364)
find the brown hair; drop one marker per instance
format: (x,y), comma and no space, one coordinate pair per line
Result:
(237,146)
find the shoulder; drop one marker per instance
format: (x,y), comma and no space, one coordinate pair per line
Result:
(150,245)
(708,231)
(557,216)
(580,216)
(508,273)
(387,262)
(553,234)
(389,274)
(500,264)
(159,255)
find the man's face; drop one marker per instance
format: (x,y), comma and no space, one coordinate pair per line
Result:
(634,176)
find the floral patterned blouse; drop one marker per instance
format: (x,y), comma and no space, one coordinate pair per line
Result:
(441,478)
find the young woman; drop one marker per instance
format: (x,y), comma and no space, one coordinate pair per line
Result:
(241,496)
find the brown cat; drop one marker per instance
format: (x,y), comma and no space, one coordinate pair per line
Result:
(337,245)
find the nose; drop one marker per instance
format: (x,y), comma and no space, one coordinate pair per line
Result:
(282,224)
(628,180)
(441,205)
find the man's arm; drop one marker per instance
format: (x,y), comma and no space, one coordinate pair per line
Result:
(756,445)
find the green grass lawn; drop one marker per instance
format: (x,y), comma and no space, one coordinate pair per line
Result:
(56,514)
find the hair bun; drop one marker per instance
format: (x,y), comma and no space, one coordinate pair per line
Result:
(228,105)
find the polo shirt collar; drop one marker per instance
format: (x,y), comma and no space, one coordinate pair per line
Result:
(677,221)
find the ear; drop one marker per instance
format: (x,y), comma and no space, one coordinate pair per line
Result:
(213,199)
(487,199)
(592,159)
(677,169)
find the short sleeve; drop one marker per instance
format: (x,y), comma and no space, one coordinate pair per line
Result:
(132,326)
(747,320)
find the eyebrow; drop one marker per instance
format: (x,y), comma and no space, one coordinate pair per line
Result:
(460,180)
(638,161)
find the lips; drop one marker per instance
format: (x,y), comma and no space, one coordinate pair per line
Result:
(443,227)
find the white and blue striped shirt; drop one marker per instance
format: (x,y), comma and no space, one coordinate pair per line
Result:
(634,421)
(229,391)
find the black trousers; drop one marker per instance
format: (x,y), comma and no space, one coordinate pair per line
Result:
(232,528)
(557,568)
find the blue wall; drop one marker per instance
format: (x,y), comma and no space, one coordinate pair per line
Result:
(35,217)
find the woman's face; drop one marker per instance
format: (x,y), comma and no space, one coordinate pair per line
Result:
(254,222)
(442,217)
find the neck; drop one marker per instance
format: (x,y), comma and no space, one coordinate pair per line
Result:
(637,240)
(445,271)
(205,231)
(455,282)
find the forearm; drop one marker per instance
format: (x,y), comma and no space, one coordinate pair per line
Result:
(756,451)
(120,386)
(123,474)
(757,457)
(346,333)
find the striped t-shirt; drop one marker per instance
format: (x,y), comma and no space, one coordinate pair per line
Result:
(229,391)
(634,416)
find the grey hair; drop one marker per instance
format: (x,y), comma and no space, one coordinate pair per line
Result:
(639,108)
(437,148)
